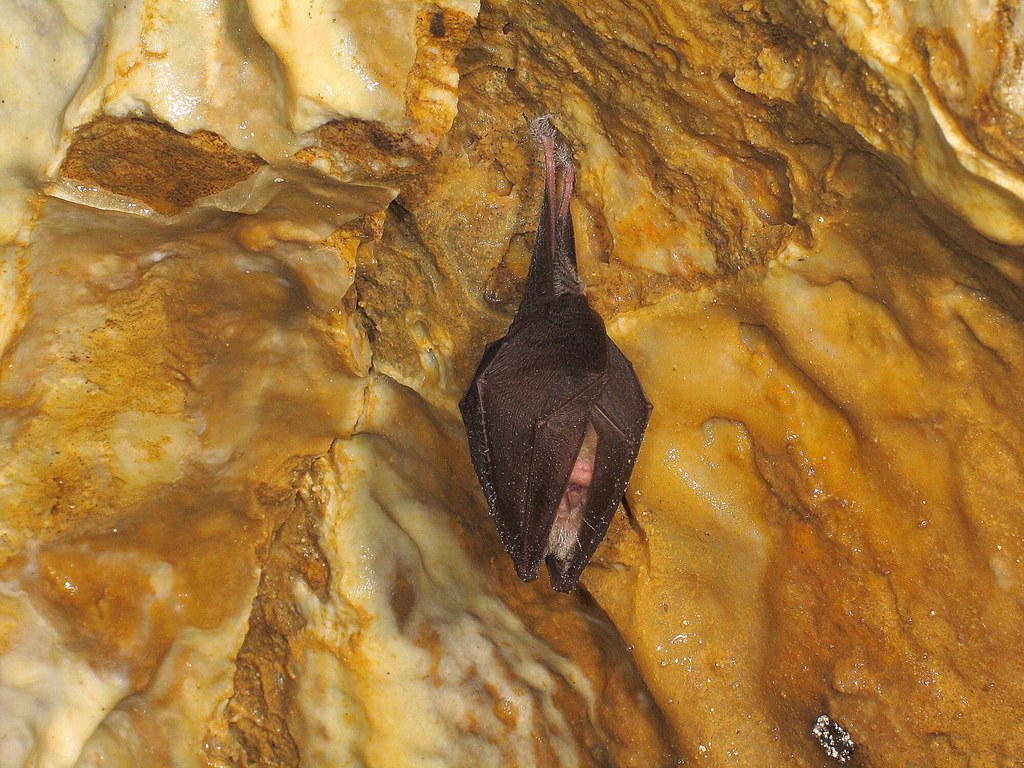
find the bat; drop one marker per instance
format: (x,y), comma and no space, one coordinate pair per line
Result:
(554,414)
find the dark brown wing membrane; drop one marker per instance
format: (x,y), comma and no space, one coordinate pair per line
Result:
(535,395)
(619,414)
(523,381)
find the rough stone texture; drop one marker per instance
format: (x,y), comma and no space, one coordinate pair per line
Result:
(961,84)
(155,165)
(777,572)
(240,526)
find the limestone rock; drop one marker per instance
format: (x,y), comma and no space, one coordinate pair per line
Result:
(251,256)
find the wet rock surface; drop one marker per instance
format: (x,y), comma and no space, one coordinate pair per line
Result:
(240,524)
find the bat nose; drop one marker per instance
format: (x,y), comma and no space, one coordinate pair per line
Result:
(582,473)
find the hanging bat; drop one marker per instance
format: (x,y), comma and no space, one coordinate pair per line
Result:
(554,414)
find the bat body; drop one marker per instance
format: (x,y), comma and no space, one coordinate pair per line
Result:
(554,414)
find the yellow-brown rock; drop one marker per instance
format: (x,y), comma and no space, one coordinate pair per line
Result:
(239,522)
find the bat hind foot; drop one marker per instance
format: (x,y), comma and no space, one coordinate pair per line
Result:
(543,128)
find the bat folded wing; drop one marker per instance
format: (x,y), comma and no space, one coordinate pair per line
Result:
(557,441)
(515,391)
(528,414)
(555,414)
(619,416)
(473,418)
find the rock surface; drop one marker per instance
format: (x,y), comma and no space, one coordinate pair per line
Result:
(240,526)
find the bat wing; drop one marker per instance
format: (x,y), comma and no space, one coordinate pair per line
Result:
(619,415)
(554,414)
(548,370)
(556,441)
(476,426)
(535,395)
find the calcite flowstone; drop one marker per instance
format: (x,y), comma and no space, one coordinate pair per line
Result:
(246,278)
(826,511)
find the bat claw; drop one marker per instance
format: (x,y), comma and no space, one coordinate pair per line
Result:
(544,130)
(543,127)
